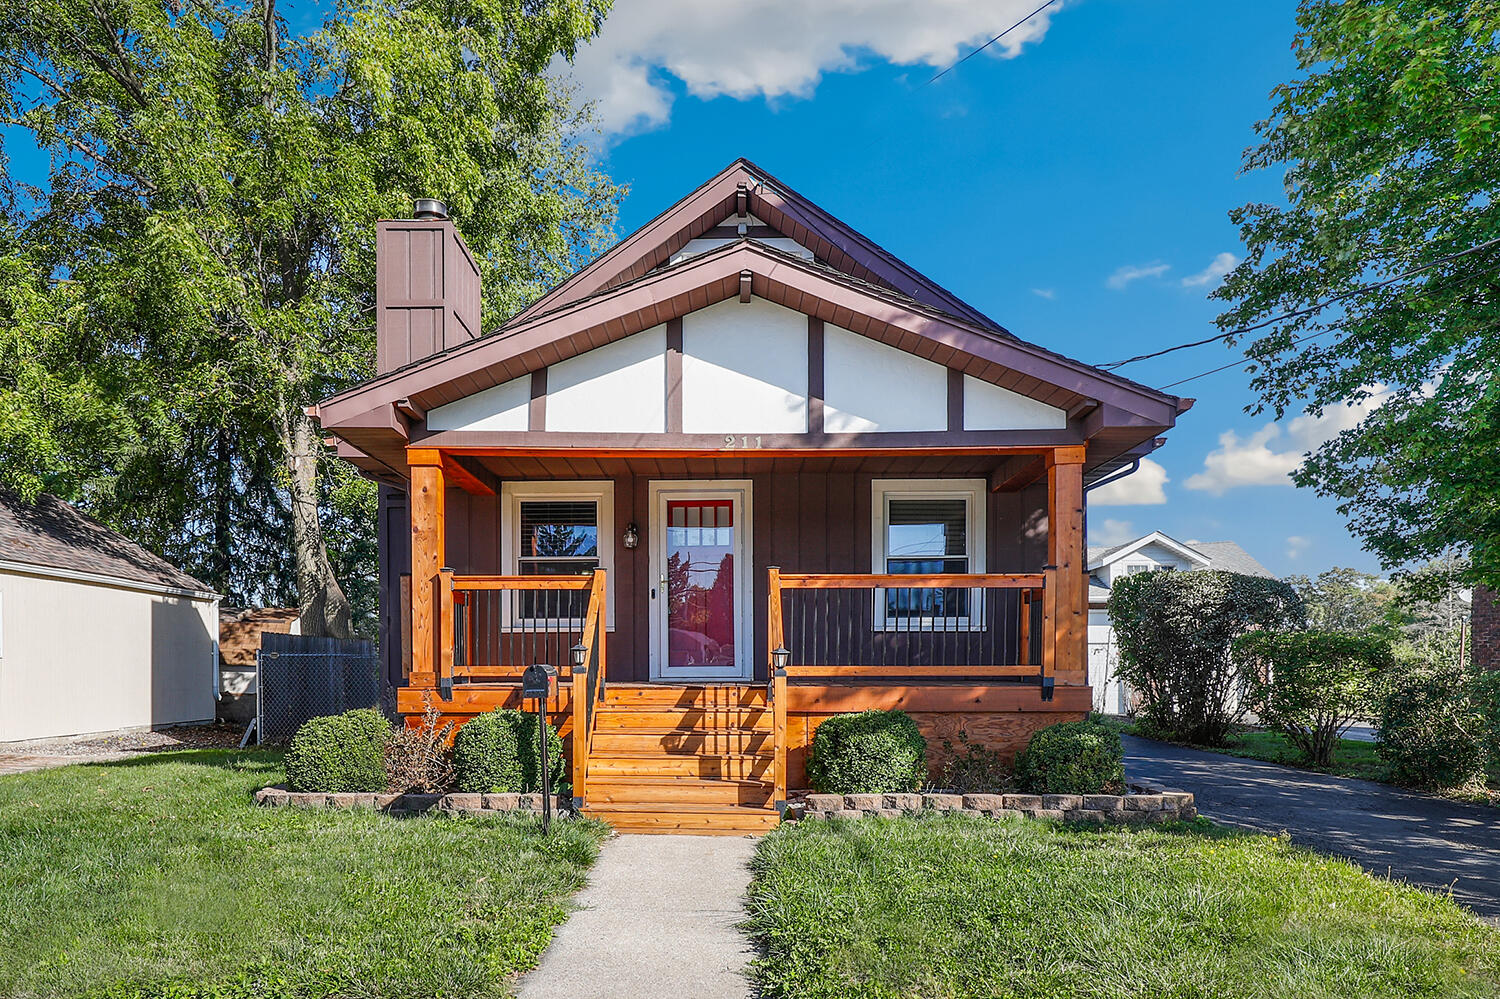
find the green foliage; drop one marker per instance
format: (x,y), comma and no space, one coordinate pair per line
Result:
(339,753)
(1485,691)
(214,184)
(1391,158)
(971,908)
(1429,725)
(971,768)
(867,752)
(170,883)
(1081,757)
(1349,601)
(497,752)
(1174,631)
(1312,685)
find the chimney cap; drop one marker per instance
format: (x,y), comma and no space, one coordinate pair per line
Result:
(429,208)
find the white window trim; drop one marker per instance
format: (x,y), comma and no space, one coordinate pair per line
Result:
(975,492)
(602,492)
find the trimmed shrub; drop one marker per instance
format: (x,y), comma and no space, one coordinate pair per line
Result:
(1081,757)
(1428,726)
(1311,685)
(1174,630)
(496,753)
(868,752)
(339,753)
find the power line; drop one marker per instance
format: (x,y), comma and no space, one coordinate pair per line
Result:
(1315,307)
(1246,360)
(992,41)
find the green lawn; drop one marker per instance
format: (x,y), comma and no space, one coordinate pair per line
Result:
(158,878)
(1351,758)
(953,907)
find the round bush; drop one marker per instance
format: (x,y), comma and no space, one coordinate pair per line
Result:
(1427,726)
(496,753)
(1081,757)
(339,753)
(869,752)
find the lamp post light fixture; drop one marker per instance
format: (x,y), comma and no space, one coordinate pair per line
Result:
(580,656)
(781,658)
(632,536)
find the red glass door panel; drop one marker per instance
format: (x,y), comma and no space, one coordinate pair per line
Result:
(700,581)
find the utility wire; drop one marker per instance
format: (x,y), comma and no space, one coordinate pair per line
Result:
(1315,307)
(992,41)
(1246,360)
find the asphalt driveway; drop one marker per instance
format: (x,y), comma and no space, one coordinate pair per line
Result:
(1424,840)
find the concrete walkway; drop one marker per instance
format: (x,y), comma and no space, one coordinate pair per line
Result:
(658,920)
(1425,840)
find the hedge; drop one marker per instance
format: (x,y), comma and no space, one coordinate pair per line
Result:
(497,752)
(1079,757)
(868,752)
(339,753)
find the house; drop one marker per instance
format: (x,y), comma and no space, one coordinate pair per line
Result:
(1153,552)
(746,470)
(240,629)
(130,638)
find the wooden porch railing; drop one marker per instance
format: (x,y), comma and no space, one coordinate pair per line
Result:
(493,627)
(906,627)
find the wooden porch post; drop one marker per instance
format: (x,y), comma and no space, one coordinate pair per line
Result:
(428,544)
(1067,596)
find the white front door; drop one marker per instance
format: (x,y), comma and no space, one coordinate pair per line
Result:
(701,583)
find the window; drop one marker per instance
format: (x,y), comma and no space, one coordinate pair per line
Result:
(928,527)
(558,529)
(1134,567)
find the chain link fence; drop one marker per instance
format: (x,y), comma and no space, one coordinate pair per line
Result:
(301,677)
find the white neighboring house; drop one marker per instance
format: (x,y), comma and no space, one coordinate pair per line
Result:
(1147,554)
(97,635)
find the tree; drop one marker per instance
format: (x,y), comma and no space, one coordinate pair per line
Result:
(1347,601)
(200,267)
(1392,167)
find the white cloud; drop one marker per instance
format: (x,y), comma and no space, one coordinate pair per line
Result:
(1143,487)
(1048,293)
(1271,454)
(1124,275)
(1213,273)
(775,48)
(1112,532)
(1296,544)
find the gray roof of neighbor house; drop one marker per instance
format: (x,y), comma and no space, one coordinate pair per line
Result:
(51,534)
(1225,555)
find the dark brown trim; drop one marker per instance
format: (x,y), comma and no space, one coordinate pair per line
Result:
(815,362)
(955,401)
(674,375)
(536,415)
(746,277)
(733,232)
(1017,473)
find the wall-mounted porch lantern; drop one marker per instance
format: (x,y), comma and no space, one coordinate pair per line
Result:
(632,537)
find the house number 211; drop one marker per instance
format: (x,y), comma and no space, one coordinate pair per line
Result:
(731,442)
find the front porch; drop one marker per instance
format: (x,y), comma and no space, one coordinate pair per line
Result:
(695,702)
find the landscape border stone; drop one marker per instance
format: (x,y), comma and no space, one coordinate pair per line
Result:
(1145,802)
(458,803)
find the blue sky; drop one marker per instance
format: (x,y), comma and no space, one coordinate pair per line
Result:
(1073,182)
(1033,185)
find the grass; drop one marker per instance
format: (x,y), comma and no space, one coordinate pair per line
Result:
(158,877)
(1351,757)
(955,908)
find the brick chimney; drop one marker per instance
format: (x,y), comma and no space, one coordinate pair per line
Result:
(426,287)
(1486,624)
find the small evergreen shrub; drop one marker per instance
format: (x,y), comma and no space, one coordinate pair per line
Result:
(1429,726)
(339,753)
(1174,630)
(867,752)
(1312,685)
(497,753)
(1081,757)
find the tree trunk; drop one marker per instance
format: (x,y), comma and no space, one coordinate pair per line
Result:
(323,608)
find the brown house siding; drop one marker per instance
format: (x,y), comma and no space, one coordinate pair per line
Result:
(815,521)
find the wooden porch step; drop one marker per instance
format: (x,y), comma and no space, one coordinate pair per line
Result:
(721,820)
(615,719)
(662,696)
(647,791)
(727,766)
(661,742)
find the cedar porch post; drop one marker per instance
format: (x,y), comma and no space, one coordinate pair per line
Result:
(428,544)
(1068,582)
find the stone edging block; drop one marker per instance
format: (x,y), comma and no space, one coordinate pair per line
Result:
(1146,803)
(405,804)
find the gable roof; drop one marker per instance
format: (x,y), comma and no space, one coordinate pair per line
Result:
(744,188)
(1225,555)
(1230,557)
(1106,556)
(51,534)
